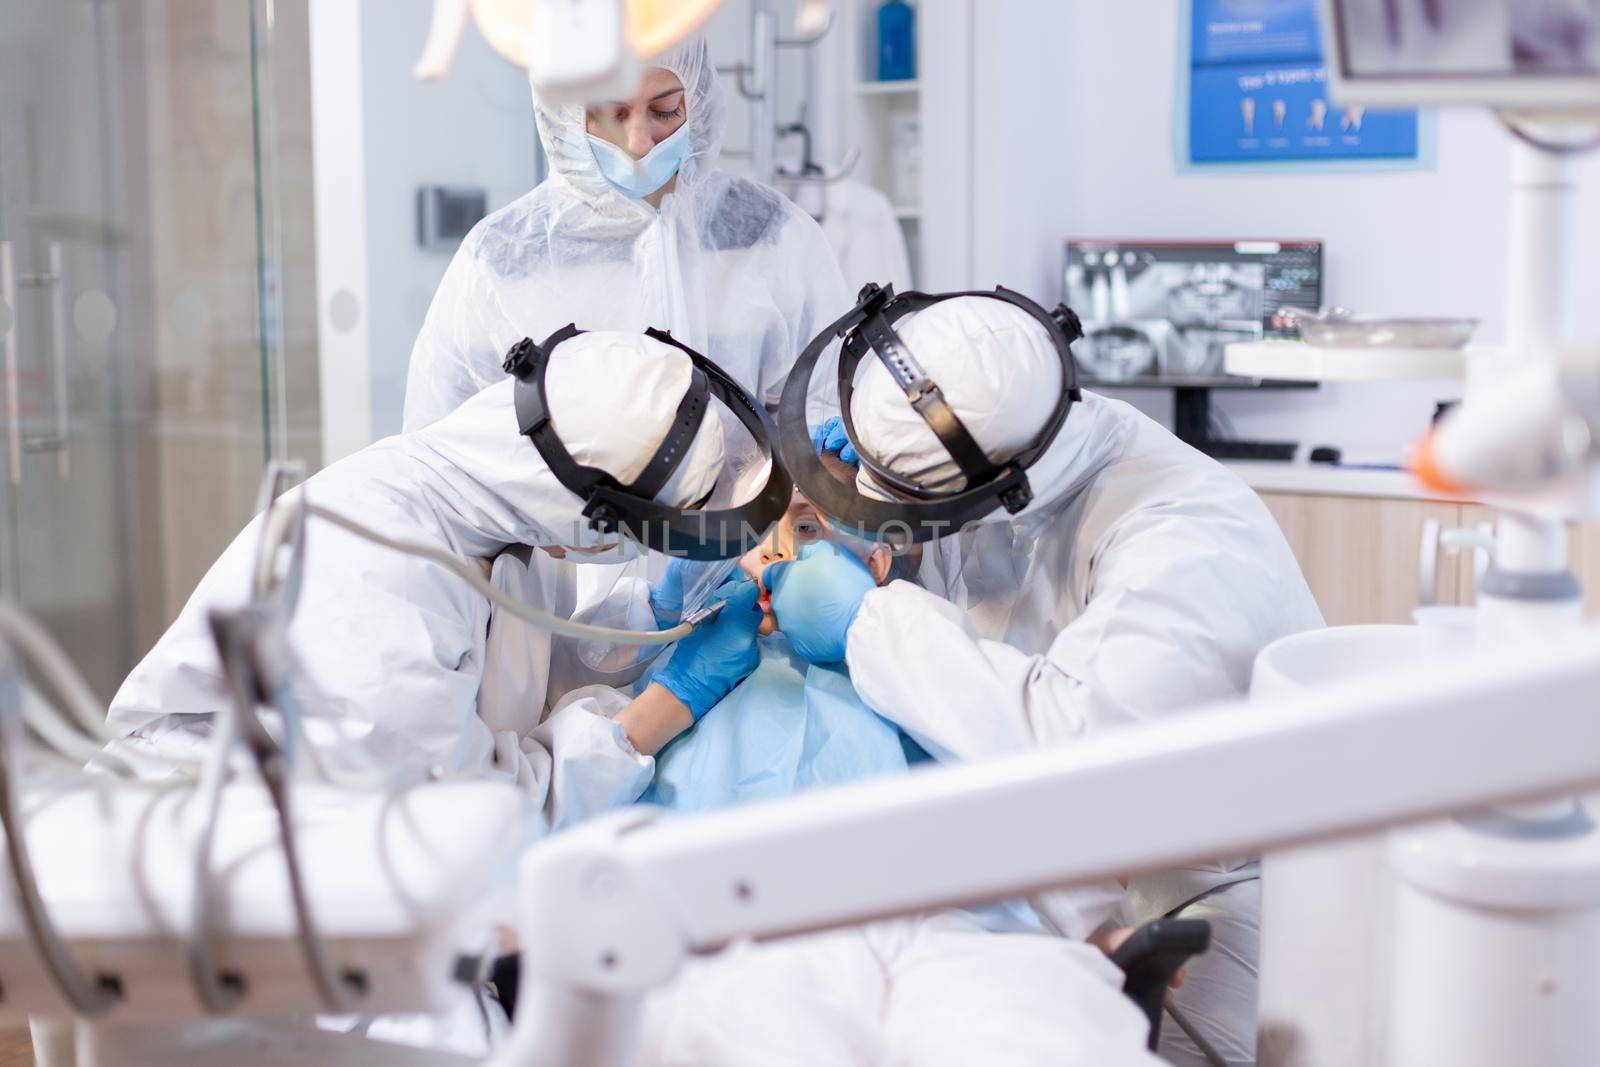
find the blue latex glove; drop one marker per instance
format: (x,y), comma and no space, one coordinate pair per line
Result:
(830,437)
(816,599)
(720,654)
(666,596)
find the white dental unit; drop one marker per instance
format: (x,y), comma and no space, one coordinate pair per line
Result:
(1486,949)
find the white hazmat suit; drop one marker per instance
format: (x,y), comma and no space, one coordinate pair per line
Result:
(729,266)
(397,645)
(1142,580)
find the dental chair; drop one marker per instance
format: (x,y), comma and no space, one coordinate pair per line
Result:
(1149,959)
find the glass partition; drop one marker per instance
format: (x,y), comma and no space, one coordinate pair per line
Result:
(157,320)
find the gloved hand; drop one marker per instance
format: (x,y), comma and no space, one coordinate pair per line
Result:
(666,596)
(830,437)
(720,654)
(816,599)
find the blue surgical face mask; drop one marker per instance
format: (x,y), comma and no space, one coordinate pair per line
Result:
(641,177)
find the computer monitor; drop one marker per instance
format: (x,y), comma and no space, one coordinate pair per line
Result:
(1528,55)
(1163,312)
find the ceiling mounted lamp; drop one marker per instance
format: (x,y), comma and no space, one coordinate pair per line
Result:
(578,51)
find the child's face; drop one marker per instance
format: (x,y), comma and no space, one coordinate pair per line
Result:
(800,526)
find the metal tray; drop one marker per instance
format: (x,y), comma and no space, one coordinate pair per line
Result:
(1354,332)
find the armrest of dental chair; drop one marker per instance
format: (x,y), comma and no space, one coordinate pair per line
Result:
(1150,959)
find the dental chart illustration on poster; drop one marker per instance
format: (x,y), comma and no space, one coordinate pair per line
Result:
(1258,91)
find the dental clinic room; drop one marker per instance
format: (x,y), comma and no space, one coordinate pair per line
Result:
(799,533)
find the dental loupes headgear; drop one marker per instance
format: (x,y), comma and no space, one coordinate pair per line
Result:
(632,510)
(918,513)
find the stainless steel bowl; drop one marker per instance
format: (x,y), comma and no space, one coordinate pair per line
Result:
(1330,331)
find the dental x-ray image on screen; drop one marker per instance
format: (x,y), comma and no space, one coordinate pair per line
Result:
(1466,38)
(1168,310)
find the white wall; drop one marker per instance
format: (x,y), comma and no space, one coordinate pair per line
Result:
(728,36)
(380,135)
(474,127)
(1100,124)
(338,159)
(1024,156)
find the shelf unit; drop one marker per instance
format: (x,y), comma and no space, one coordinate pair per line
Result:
(885,118)
(890,88)
(1302,362)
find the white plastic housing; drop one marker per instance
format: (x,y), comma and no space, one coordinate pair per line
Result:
(396,884)
(579,52)
(1325,907)
(1496,949)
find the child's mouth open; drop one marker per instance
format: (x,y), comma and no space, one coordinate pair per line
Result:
(769,621)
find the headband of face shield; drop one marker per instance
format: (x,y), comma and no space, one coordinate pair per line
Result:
(631,510)
(918,513)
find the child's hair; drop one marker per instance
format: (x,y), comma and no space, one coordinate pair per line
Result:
(902,568)
(839,468)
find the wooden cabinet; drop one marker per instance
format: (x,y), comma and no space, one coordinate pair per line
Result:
(1362,555)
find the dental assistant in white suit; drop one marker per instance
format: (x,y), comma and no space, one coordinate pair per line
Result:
(635,227)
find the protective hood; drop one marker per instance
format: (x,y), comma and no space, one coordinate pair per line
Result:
(395,643)
(1000,374)
(620,435)
(564,133)
(612,398)
(727,265)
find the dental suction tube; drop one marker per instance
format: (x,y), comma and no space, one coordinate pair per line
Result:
(280,518)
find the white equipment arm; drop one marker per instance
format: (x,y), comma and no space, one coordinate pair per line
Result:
(397,882)
(616,906)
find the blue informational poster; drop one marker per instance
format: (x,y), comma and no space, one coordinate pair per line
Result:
(1258,91)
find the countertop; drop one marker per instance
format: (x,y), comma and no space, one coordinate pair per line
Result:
(1323,479)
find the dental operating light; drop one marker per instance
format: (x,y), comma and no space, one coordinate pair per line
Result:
(575,51)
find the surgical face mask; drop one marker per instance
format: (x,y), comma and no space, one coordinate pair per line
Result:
(641,177)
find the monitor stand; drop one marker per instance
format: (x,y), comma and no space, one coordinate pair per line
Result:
(1191,421)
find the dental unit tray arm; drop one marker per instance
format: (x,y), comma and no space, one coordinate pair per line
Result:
(618,905)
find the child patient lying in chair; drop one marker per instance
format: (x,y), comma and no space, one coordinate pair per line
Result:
(958,987)
(791,725)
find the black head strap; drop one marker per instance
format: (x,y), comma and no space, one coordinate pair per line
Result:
(873,332)
(926,398)
(528,362)
(925,514)
(675,446)
(613,508)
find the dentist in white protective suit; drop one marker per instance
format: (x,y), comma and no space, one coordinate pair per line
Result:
(398,646)
(1141,579)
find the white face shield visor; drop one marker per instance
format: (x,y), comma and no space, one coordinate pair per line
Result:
(629,587)
(677,479)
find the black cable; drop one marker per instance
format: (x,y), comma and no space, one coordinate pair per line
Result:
(1222,426)
(339,992)
(218,993)
(89,997)
(1206,1048)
